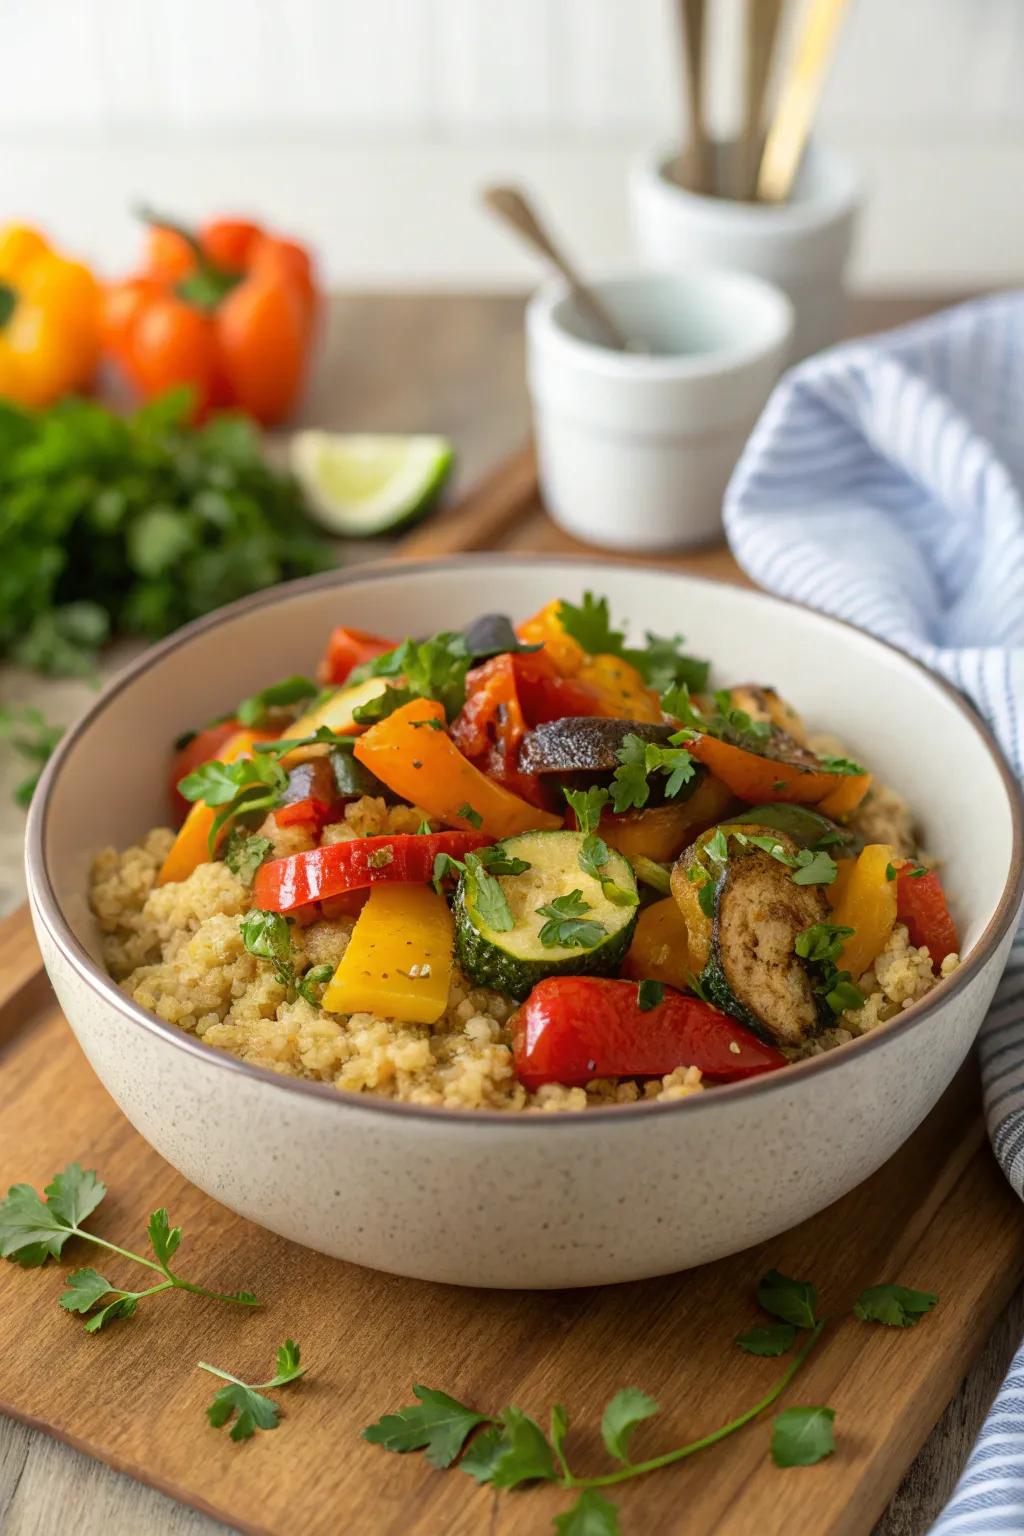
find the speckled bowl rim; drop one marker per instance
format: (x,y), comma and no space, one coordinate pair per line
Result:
(45,904)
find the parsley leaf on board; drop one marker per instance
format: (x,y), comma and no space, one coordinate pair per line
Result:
(255,711)
(567,927)
(622,1414)
(795,1301)
(436,1424)
(244,1401)
(244,852)
(591,1515)
(514,1450)
(768,1339)
(897,1306)
(649,994)
(803,1436)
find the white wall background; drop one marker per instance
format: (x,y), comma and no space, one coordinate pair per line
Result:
(368,125)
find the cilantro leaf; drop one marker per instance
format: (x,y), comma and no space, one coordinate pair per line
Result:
(769,1339)
(430,669)
(255,711)
(589,624)
(794,1301)
(83,1289)
(897,1306)
(623,1413)
(244,852)
(663,665)
(251,784)
(587,805)
(802,1436)
(485,894)
(649,994)
(244,1401)
(566,926)
(437,1424)
(591,1515)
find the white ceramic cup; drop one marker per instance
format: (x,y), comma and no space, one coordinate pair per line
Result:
(635,450)
(802,245)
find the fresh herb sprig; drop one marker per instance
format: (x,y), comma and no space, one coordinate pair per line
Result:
(821,945)
(35,1228)
(661,662)
(267,936)
(726,722)
(244,1401)
(259,708)
(638,760)
(511,1448)
(587,806)
(567,925)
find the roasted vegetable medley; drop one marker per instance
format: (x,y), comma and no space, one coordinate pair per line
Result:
(539,854)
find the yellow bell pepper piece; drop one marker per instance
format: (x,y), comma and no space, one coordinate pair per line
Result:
(398,964)
(191,847)
(867,904)
(49,320)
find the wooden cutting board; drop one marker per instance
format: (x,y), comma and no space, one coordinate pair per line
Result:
(939,1215)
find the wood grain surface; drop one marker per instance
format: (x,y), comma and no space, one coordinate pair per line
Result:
(447,362)
(133,1397)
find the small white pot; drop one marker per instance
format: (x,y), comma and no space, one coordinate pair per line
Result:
(802,245)
(636,449)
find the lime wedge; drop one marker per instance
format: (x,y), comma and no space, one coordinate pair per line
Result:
(361,485)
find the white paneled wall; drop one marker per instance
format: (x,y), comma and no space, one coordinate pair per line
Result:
(368,125)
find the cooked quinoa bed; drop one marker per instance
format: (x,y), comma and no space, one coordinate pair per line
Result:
(177,950)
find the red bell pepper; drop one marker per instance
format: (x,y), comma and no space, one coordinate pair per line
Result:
(506,697)
(310,812)
(203,748)
(575,1028)
(921,905)
(281,885)
(348,649)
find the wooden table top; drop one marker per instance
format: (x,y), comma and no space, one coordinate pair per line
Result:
(450,363)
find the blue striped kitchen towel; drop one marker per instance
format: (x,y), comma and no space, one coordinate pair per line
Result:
(884,483)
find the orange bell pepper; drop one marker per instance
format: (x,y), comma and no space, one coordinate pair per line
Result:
(191,846)
(759,780)
(618,686)
(660,949)
(413,755)
(230,312)
(49,320)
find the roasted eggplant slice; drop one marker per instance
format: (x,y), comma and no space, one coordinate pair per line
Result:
(742,932)
(583,744)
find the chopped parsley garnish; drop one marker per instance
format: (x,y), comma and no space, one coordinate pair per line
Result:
(467,813)
(726,722)
(255,711)
(649,994)
(267,936)
(587,806)
(385,704)
(661,663)
(594,856)
(244,852)
(424,829)
(429,669)
(240,789)
(589,624)
(840,765)
(567,926)
(244,1401)
(486,895)
(821,942)
(638,759)
(821,945)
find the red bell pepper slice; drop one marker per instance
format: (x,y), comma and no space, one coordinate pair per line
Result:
(202,748)
(504,698)
(921,905)
(309,812)
(572,1029)
(348,649)
(281,885)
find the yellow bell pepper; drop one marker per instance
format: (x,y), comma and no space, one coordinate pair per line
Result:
(622,691)
(398,964)
(660,948)
(412,753)
(49,320)
(866,903)
(191,847)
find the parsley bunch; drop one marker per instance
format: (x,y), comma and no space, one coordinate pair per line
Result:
(511,1448)
(661,663)
(34,1229)
(135,524)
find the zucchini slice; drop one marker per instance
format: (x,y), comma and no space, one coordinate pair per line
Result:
(744,944)
(513,960)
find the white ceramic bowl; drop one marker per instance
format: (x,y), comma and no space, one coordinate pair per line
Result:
(802,245)
(481,1198)
(635,450)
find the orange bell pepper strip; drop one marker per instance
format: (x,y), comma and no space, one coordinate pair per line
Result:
(412,753)
(49,320)
(759,780)
(191,847)
(619,687)
(660,949)
(230,312)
